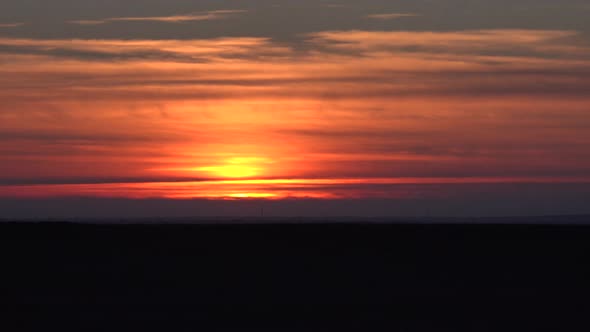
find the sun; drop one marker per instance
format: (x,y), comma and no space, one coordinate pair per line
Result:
(231,171)
(235,168)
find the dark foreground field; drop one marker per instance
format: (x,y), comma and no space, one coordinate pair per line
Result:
(297,277)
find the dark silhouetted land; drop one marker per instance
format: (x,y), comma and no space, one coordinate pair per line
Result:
(529,275)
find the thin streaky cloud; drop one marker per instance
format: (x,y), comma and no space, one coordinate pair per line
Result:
(201,16)
(335,5)
(88,22)
(391,16)
(11,25)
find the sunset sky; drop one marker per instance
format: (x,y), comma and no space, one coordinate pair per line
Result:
(285,100)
